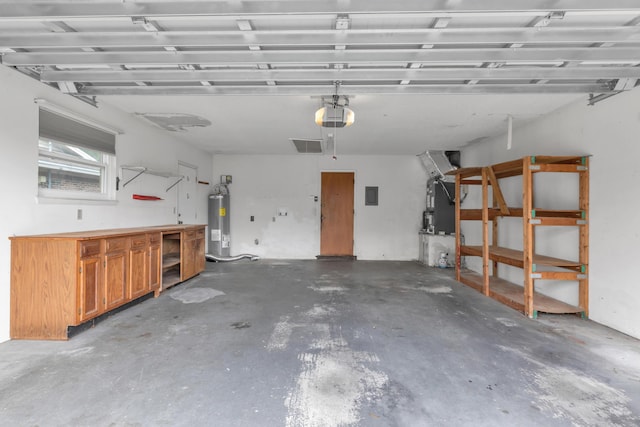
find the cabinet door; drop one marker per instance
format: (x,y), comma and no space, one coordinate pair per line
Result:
(199,255)
(188,259)
(90,288)
(115,279)
(155,265)
(138,284)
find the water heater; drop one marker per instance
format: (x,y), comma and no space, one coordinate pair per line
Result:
(219,224)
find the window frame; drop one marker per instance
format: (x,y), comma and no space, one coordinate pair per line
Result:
(107,176)
(107,166)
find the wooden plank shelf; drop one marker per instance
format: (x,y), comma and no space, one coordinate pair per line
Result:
(512,295)
(546,216)
(516,167)
(516,258)
(170,278)
(169,260)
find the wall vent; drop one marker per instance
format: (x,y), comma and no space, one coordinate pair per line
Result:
(307,146)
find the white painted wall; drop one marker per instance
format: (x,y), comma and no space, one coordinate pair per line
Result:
(263,184)
(609,131)
(140,144)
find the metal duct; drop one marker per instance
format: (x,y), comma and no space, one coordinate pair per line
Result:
(437,164)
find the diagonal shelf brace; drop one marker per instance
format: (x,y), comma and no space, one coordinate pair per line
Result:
(495,186)
(140,172)
(174,184)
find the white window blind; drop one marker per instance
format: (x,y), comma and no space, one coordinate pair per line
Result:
(64,129)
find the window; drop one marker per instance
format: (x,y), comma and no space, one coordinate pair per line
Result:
(76,160)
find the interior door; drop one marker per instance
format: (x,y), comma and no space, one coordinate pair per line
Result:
(336,217)
(187,213)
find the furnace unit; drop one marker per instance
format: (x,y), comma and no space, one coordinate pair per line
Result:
(439,215)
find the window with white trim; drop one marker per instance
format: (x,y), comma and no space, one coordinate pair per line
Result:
(75,160)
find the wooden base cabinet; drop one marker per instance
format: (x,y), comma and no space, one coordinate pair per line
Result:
(61,281)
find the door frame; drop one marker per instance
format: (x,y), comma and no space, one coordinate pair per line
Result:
(355,210)
(195,190)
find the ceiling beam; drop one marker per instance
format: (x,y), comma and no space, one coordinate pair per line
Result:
(350,56)
(508,73)
(103,9)
(320,90)
(375,37)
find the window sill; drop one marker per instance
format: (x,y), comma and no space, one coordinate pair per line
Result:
(43,200)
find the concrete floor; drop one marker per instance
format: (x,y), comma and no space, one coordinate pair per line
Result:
(307,343)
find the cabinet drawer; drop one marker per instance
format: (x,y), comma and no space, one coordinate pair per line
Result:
(118,244)
(138,241)
(200,233)
(89,248)
(190,234)
(155,238)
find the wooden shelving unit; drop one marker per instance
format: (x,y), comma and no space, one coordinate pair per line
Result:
(535,266)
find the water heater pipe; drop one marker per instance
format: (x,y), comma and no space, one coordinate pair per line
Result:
(216,258)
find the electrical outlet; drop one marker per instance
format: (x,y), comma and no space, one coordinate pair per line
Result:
(79,214)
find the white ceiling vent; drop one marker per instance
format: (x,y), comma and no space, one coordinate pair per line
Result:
(175,122)
(307,146)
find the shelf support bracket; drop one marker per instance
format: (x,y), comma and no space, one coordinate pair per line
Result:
(134,177)
(175,183)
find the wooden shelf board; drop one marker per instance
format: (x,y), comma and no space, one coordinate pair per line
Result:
(549,215)
(515,258)
(562,222)
(471,250)
(507,169)
(513,295)
(515,167)
(476,214)
(170,260)
(567,160)
(171,236)
(170,278)
(466,172)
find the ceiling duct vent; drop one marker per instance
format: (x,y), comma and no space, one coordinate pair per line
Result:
(175,122)
(307,146)
(437,164)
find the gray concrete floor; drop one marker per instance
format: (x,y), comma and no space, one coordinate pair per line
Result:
(307,343)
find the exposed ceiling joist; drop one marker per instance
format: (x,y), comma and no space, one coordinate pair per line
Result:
(509,73)
(364,56)
(77,9)
(308,37)
(319,90)
(284,46)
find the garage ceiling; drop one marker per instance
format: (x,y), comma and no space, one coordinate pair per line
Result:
(418,73)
